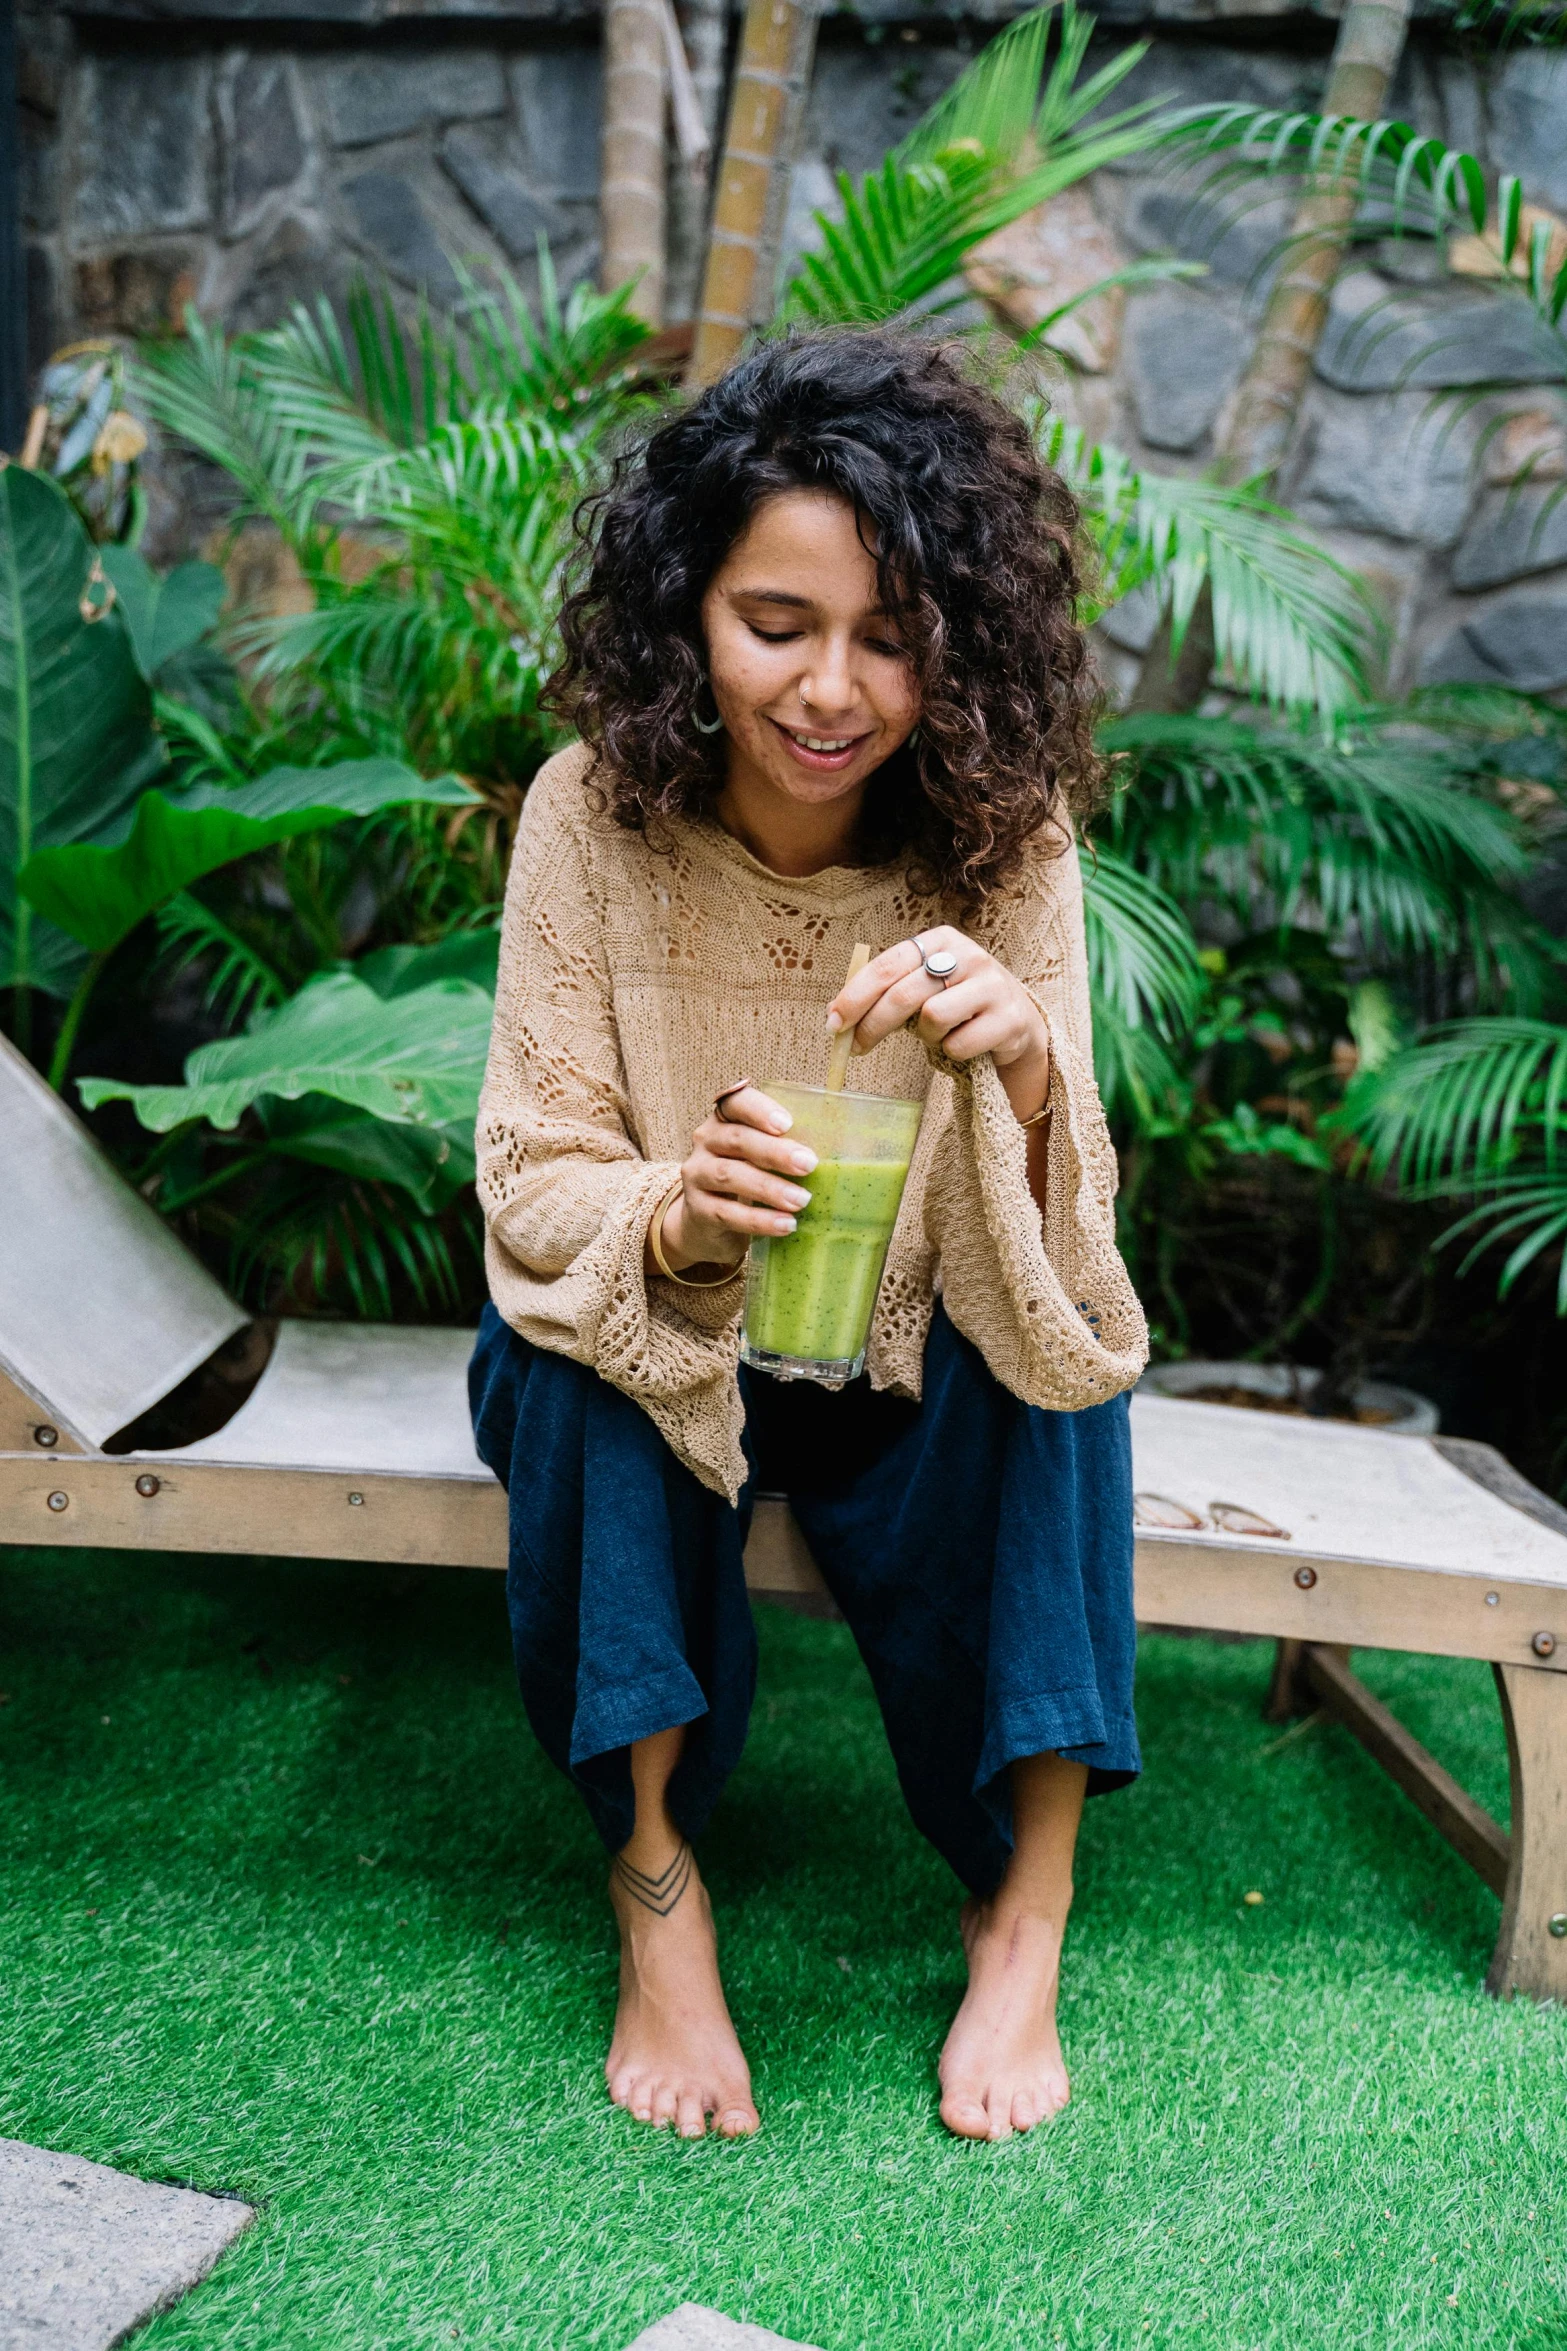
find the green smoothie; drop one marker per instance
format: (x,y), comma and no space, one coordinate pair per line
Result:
(811,1296)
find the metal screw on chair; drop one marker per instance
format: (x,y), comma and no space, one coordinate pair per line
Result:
(1558,1926)
(147,1485)
(1544,1644)
(356,1501)
(1493,1599)
(1305,1577)
(59,1501)
(46,1436)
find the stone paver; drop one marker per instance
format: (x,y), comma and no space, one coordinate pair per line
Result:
(695,2328)
(87,2253)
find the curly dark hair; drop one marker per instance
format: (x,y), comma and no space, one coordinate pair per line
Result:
(976,542)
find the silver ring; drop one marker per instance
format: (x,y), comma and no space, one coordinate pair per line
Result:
(940,966)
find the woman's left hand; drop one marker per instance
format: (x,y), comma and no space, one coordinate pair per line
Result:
(980,1009)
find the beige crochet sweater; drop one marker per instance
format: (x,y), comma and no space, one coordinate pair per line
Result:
(637,976)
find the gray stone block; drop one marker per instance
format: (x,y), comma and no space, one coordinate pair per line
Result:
(859,106)
(1183,356)
(144,147)
(297,260)
(390,219)
(1517,641)
(1385,464)
(558,97)
(351,12)
(1514,532)
(373,94)
(1529,122)
(1238,233)
(1192,72)
(87,2253)
(481,163)
(1378,336)
(693,2327)
(263,138)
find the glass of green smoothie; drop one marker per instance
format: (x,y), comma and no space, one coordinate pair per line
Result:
(808,1298)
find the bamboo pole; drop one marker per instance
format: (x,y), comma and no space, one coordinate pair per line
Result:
(766,110)
(1267,401)
(706,30)
(631,189)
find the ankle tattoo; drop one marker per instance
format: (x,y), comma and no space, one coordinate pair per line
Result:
(658,1894)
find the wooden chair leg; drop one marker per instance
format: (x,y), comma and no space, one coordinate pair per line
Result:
(1290,1692)
(1287,1691)
(1531,1950)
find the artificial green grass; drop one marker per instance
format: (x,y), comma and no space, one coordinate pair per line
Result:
(294,1908)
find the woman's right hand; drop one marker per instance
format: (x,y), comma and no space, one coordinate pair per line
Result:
(738,1182)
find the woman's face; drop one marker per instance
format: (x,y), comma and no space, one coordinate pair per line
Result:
(808,674)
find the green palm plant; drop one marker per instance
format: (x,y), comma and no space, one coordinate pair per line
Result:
(424,480)
(1294,628)
(1014,129)
(1384,837)
(1477,1111)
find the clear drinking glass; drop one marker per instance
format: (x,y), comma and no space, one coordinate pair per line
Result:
(808,1298)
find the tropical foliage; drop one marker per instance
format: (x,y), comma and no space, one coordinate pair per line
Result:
(285,830)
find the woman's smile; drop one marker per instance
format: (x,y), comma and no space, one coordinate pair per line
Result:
(823,753)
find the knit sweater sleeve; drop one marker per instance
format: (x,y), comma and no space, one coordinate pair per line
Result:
(566,1191)
(1045,1297)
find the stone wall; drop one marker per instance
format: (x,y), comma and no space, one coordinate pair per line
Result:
(240,160)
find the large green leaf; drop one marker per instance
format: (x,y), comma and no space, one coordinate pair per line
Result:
(416,1060)
(171,618)
(465,955)
(431,1163)
(99,894)
(165,615)
(76,737)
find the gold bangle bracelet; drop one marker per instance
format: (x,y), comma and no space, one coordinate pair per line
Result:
(655,1241)
(1038,1118)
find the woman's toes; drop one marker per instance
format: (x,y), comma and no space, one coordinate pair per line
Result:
(1028,2107)
(737,2120)
(965,2114)
(665,2100)
(998,2113)
(689,2117)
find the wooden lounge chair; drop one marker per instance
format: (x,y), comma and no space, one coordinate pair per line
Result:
(354,1444)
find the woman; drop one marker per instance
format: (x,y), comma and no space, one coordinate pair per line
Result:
(829,687)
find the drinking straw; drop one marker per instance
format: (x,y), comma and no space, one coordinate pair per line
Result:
(843,1043)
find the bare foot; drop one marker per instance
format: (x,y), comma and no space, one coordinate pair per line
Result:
(1002,2070)
(674,2057)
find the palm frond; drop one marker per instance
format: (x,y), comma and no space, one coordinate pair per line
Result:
(236,977)
(1378,836)
(1142,956)
(1477,1110)
(1295,628)
(1009,134)
(204,391)
(1418,182)
(1146,983)
(1458,1111)
(1530,1211)
(314,1240)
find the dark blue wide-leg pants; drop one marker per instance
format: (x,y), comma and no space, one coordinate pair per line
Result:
(980,1550)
